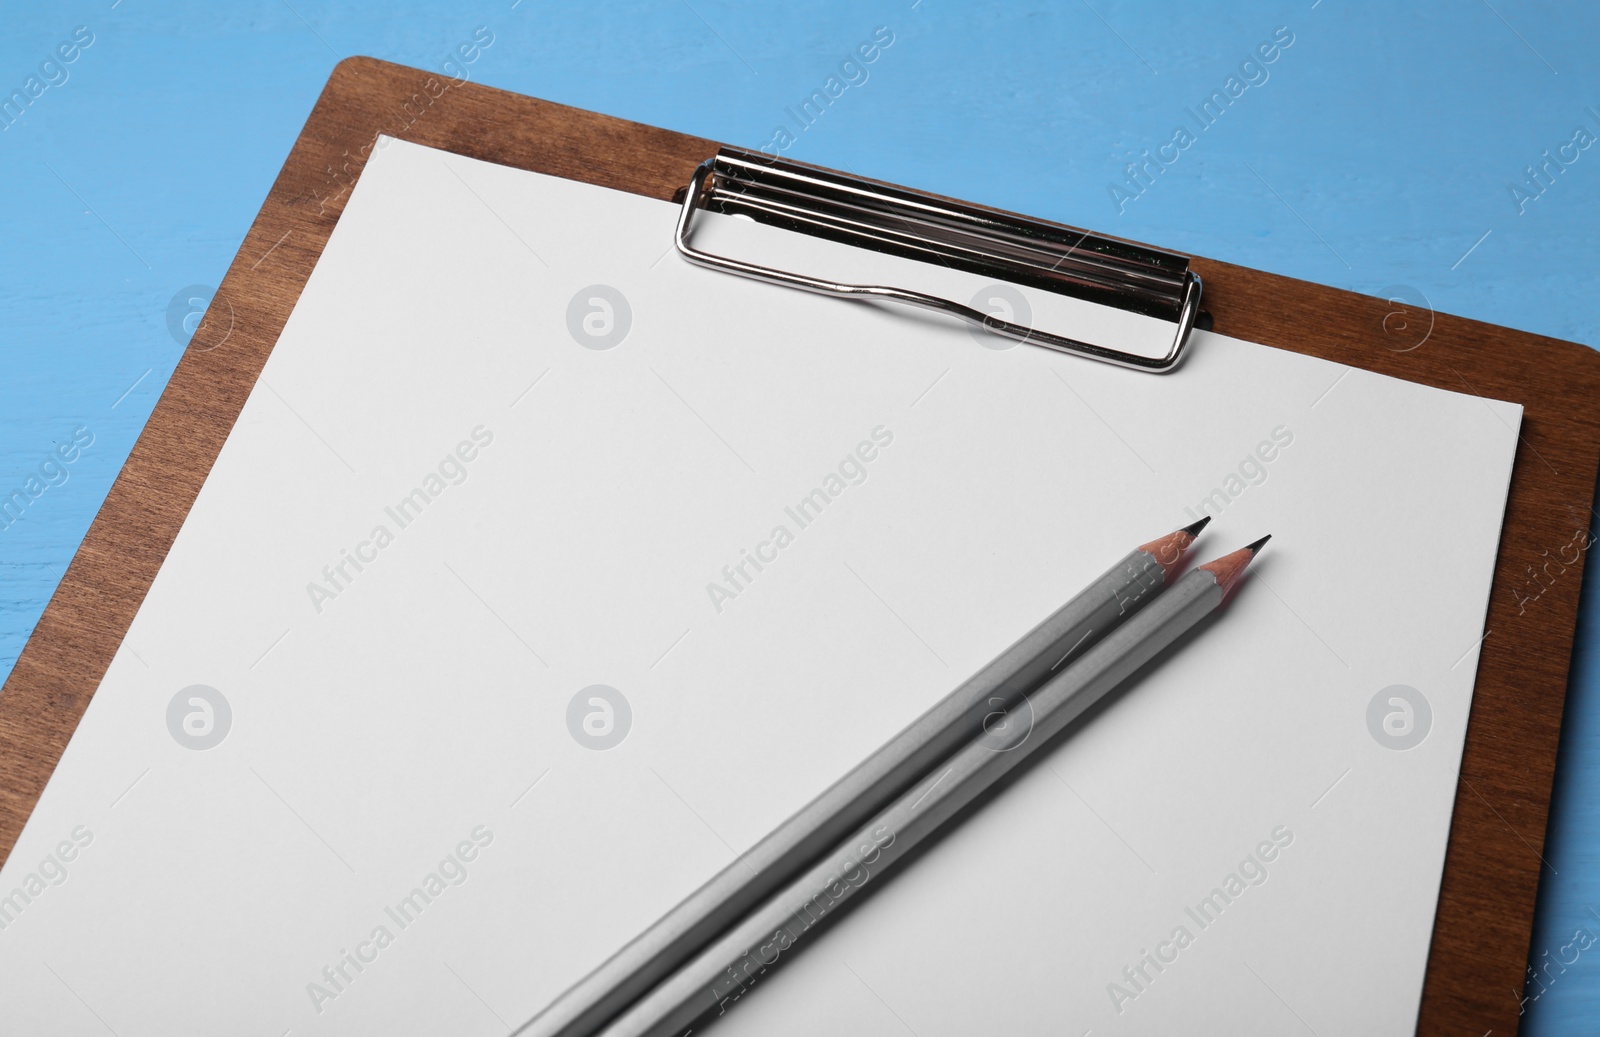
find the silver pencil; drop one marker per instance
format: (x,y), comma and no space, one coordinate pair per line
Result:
(981,704)
(720,974)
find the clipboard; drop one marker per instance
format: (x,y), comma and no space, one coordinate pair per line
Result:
(1485,911)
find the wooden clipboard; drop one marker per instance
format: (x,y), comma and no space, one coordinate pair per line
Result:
(1492,870)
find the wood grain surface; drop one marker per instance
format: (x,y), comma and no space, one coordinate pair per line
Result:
(1492,873)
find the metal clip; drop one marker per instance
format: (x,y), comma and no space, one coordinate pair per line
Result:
(914,225)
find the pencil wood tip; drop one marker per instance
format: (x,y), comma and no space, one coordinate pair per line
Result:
(1230,567)
(1168,550)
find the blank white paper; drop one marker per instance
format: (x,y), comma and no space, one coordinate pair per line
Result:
(403,827)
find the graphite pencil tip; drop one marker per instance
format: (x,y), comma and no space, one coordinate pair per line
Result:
(1168,550)
(1230,567)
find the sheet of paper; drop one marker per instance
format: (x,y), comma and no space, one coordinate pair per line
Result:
(543,572)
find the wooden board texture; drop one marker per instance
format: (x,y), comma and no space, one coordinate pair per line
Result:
(1492,872)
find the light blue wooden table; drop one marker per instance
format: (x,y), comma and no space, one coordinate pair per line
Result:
(1381,150)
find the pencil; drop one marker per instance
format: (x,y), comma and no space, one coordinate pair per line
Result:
(981,703)
(725,970)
